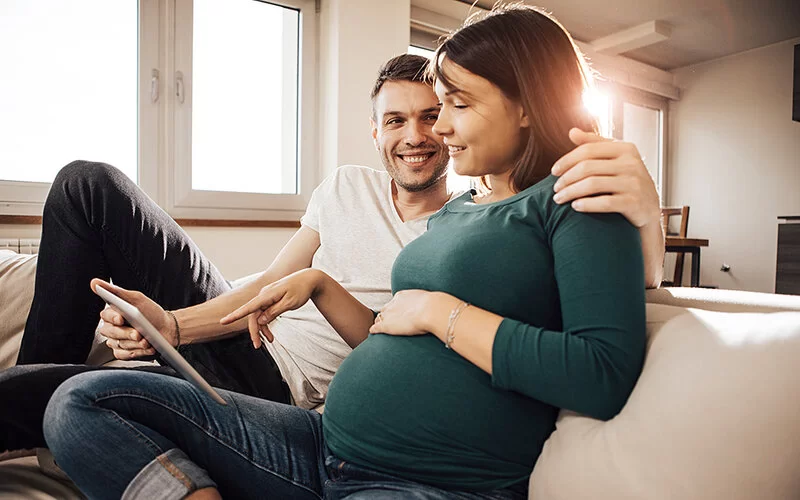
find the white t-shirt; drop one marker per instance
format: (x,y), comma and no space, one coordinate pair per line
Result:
(360,233)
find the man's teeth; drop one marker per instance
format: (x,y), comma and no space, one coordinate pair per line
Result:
(454,149)
(415,159)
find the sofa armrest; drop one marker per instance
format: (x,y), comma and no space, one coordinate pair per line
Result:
(723,300)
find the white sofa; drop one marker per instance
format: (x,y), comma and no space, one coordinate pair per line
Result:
(714,415)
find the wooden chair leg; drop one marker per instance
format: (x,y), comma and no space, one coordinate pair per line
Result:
(677,279)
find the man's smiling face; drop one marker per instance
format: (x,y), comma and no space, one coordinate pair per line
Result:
(404,114)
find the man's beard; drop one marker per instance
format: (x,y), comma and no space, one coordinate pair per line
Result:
(396,173)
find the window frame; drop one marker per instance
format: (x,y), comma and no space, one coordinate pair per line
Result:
(181,199)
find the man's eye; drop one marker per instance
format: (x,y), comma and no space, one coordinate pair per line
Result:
(432,117)
(394,121)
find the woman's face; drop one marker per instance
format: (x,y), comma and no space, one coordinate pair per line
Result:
(481,127)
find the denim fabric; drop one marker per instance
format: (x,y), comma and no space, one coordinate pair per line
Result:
(120,432)
(97,223)
(170,475)
(352,482)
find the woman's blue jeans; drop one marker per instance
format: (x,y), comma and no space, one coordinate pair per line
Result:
(124,434)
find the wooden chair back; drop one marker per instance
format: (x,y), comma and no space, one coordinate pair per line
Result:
(683,213)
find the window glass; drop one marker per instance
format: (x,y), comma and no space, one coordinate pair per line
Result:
(69,86)
(244,97)
(642,127)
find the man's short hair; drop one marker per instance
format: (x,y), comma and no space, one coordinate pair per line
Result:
(403,68)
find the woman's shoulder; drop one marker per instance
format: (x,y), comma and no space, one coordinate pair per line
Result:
(539,200)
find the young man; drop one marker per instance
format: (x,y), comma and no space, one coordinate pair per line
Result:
(99,224)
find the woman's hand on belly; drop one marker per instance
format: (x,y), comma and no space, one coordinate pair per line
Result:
(405,314)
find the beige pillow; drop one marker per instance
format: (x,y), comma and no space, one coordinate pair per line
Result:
(715,415)
(17,274)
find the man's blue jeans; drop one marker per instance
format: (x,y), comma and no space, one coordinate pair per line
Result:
(125,434)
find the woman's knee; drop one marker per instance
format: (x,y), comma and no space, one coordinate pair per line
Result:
(66,410)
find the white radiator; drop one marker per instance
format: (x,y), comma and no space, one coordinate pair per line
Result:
(20,245)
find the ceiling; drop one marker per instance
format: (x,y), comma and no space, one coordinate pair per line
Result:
(701,30)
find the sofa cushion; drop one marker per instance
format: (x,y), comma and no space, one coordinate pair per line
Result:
(17,274)
(714,415)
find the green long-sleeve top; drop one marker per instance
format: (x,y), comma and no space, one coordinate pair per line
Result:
(570,287)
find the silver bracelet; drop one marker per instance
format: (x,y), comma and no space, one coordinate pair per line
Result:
(450,336)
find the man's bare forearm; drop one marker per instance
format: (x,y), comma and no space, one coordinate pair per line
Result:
(200,323)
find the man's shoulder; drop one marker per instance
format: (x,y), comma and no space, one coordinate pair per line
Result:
(354,180)
(359,173)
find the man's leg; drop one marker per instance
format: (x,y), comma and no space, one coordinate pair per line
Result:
(139,435)
(24,393)
(98,224)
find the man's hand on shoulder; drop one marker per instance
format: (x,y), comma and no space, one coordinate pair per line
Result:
(603,175)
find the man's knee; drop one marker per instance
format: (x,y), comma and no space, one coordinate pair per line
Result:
(83,171)
(79,178)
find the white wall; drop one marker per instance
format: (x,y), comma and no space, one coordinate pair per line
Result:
(236,252)
(356,38)
(734,158)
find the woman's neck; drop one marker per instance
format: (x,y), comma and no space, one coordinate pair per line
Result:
(500,186)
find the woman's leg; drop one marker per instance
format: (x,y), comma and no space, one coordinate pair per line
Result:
(144,435)
(98,224)
(353,482)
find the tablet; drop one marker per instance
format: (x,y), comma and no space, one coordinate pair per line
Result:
(137,320)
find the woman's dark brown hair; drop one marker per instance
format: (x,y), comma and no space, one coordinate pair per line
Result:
(533,60)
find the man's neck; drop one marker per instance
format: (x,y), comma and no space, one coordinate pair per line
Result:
(413,205)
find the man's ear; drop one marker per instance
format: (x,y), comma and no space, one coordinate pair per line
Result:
(374,132)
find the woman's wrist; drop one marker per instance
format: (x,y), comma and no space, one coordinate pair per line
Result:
(436,311)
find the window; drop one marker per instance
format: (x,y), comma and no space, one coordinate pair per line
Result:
(642,126)
(65,97)
(641,118)
(251,130)
(197,100)
(420,51)
(633,116)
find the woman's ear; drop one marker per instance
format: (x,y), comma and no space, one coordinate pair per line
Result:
(523,118)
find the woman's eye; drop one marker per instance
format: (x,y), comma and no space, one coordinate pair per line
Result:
(460,106)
